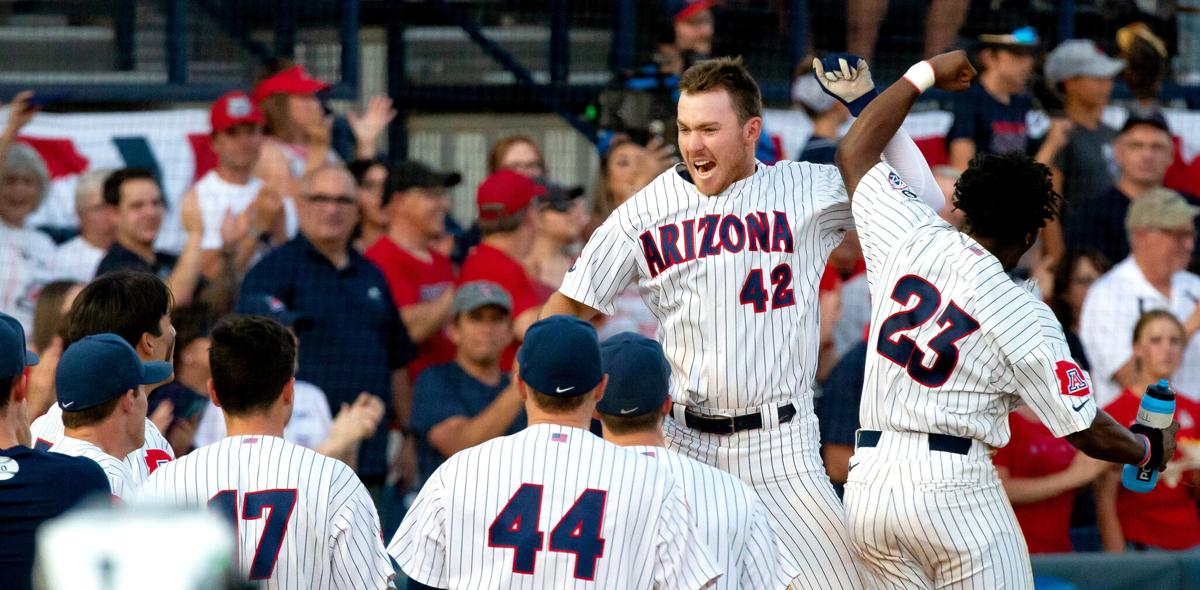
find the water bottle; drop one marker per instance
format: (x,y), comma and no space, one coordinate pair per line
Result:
(1157,411)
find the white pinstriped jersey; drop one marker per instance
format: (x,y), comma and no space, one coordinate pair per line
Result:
(48,431)
(732,520)
(124,483)
(303,520)
(732,278)
(954,343)
(551,507)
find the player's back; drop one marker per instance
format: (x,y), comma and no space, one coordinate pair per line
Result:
(732,521)
(48,430)
(954,341)
(551,507)
(303,520)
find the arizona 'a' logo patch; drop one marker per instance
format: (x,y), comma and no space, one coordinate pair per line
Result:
(1071,379)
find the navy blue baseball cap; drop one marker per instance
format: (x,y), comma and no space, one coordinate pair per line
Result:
(639,377)
(14,357)
(270,306)
(561,357)
(101,367)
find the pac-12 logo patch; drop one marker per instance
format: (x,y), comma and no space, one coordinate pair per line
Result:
(1071,379)
(896,182)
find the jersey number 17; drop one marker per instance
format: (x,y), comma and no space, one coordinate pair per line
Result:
(578,531)
(902,350)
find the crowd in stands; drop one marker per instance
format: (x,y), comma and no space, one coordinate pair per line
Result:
(408,320)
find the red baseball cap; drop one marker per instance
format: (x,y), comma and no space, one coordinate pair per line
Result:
(505,193)
(233,109)
(684,9)
(294,80)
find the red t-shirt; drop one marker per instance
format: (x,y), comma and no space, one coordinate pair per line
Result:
(1165,517)
(412,280)
(1033,451)
(488,263)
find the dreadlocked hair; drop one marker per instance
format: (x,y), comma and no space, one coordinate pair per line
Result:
(1006,197)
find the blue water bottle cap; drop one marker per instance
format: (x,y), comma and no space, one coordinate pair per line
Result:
(1161,391)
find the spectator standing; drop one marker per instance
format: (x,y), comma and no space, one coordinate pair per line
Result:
(26,255)
(353,340)
(943,19)
(1040,474)
(989,118)
(1078,146)
(827,116)
(1168,516)
(470,399)
(518,153)
(1073,278)
(77,258)
(179,405)
(99,382)
(1162,236)
(370,176)
(506,220)
(36,486)
(560,220)
(1143,151)
(49,331)
(242,217)
(836,409)
(299,132)
(420,278)
(137,197)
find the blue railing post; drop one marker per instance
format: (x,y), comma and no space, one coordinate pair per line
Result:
(798,30)
(1066,20)
(285,28)
(176,42)
(397,82)
(124,29)
(349,39)
(624,20)
(560,32)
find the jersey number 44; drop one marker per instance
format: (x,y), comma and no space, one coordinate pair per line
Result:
(577,532)
(895,346)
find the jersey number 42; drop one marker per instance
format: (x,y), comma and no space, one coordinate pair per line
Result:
(578,531)
(902,350)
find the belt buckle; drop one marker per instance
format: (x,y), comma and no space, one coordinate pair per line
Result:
(732,422)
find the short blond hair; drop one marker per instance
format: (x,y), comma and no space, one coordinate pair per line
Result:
(728,74)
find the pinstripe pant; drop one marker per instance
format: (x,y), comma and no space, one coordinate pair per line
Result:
(790,479)
(932,519)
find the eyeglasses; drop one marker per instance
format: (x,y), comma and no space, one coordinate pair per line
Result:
(322,199)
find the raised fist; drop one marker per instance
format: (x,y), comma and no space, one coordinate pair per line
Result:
(952,71)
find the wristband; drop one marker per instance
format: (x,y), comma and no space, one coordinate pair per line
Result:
(921,76)
(1146,457)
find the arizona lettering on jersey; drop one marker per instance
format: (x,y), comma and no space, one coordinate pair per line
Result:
(303,520)
(569,510)
(732,522)
(123,482)
(48,431)
(955,343)
(722,274)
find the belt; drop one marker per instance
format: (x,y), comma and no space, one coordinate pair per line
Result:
(731,424)
(937,442)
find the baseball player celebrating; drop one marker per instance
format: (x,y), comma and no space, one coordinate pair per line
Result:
(136,306)
(553,506)
(728,253)
(303,520)
(99,381)
(955,345)
(732,521)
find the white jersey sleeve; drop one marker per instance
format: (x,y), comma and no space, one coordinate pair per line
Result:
(359,559)
(829,194)
(885,210)
(605,267)
(683,560)
(758,563)
(1032,341)
(419,545)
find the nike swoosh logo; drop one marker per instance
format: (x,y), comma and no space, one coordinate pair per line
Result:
(563,389)
(68,404)
(629,411)
(1080,406)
